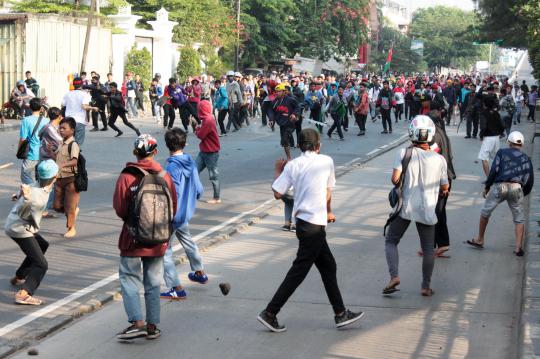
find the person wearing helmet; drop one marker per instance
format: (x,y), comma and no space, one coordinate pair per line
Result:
(510,179)
(235,97)
(132,255)
(423,181)
(21,96)
(286,113)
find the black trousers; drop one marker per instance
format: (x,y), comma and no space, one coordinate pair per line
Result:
(168,116)
(472,125)
(100,113)
(386,120)
(398,111)
(530,116)
(221,120)
(337,125)
(265,107)
(442,237)
(114,116)
(188,109)
(361,121)
(234,117)
(312,249)
(298,127)
(34,266)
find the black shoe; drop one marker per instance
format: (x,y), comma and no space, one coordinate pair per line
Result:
(329,135)
(347,318)
(286,227)
(384,132)
(120,133)
(474,136)
(467,136)
(104,129)
(342,139)
(519,253)
(97,129)
(153,332)
(390,131)
(132,332)
(270,322)
(137,132)
(346,129)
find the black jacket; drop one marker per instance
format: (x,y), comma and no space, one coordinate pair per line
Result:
(490,123)
(445,147)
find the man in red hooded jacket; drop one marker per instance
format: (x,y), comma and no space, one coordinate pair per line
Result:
(132,254)
(206,131)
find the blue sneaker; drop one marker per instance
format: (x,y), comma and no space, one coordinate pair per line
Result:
(173,294)
(199,278)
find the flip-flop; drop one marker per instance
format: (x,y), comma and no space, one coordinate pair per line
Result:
(474,244)
(391,289)
(442,256)
(428,294)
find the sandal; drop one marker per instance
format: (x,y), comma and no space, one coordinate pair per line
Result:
(475,244)
(427,292)
(391,288)
(27,300)
(520,253)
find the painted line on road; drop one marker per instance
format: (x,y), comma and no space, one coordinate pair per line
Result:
(82,292)
(6,165)
(373,152)
(383,147)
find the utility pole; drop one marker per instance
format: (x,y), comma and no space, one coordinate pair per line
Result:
(237,47)
(87,37)
(489,61)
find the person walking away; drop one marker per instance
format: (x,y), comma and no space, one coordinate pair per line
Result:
(491,129)
(32,83)
(510,179)
(508,107)
(221,105)
(76,103)
(424,181)
(286,111)
(361,109)
(209,147)
(66,199)
(234,95)
(23,225)
(141,265)
(337,107)
(531,102)
(139,94)
(385,105)
(312,177)
(116,102)
(131,96)
(29,131)
(99,99)
(183,171)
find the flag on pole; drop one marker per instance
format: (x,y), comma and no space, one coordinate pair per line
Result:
(388,60)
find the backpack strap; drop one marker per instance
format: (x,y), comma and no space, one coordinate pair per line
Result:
(405,164)
(134,170)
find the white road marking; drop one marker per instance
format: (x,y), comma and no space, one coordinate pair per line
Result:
(383,147)
(82,292)
(372,152)
(6,165)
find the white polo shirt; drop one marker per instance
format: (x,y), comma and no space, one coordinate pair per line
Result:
(310,175)
(74,100)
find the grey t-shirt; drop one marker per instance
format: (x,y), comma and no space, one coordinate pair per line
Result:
(425,174)
(25,216)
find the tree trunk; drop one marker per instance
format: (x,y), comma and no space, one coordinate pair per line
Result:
(88,32)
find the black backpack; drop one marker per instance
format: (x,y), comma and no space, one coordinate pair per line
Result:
(81,177)
(151,210)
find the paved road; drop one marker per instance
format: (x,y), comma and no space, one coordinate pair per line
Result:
(246,166)
(472,315)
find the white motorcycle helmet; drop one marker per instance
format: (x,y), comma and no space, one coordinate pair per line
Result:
(421,129)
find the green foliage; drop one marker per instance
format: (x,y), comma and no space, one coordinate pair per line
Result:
(215,67)
(447,36)
(199,21)
(139,62)
(503,20)
(403,59)
(43,7)
(189,64)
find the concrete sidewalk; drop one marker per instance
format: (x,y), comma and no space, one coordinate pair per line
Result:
(473,313)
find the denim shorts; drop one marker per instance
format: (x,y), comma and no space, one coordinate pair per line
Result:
(509,192)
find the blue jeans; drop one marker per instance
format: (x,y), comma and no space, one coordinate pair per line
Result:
(131,106)
(170,275)
(131,281)
(27,171)
(80,132)
(289,205)
(209,160)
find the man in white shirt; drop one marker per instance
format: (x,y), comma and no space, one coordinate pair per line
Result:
(76,103)
(312,176)
(424,180)
(373,95)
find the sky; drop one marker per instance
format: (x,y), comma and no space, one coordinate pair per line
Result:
(415,4)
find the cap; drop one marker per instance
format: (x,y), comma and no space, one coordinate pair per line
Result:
(230,73)
(280,87)
(516,138)
(145,144)
(47,169)
(237,74)
(77,81)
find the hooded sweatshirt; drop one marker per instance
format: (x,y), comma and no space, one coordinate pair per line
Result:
(207,132)
(183,171)
(126,187)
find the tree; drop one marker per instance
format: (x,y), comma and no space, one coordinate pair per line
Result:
(139,62)
(447,37)
(403,59)
(189,63)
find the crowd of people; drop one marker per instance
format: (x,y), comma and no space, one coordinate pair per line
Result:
(302,106)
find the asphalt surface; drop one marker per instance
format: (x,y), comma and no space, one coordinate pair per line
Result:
(246,170)
(473,313)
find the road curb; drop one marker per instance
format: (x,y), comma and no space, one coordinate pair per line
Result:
(111,292)
(529,319)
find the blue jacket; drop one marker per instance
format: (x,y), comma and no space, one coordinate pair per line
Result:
(183,171)
(221,101)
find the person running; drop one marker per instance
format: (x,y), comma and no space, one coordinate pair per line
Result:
(286,112)
(424,181)
(140,265)
(385,105)
(66,198)
(510,179)
(361,109)
(23,225)
(116,102)
(491,129)
(99,99)
(29,131)
(337,107)
(312,176)
(183,171)
(209,147)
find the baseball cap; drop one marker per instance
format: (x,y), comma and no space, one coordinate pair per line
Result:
(516,138)
(47,169)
